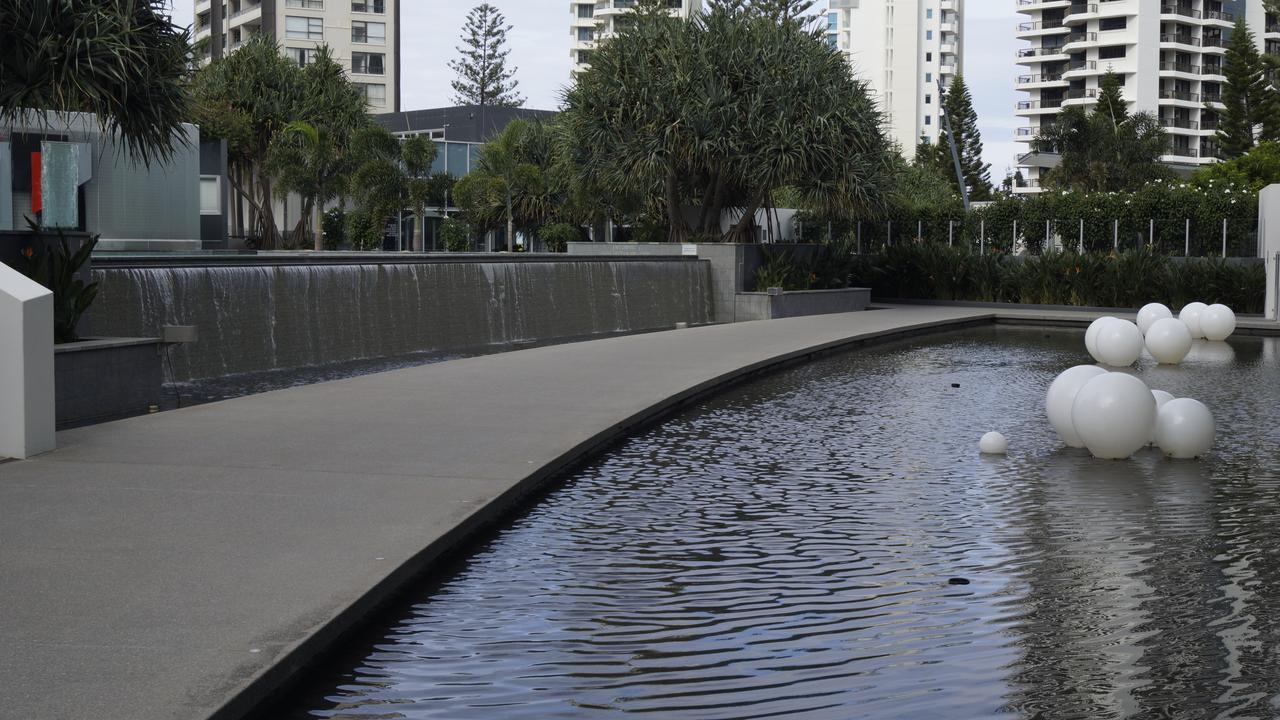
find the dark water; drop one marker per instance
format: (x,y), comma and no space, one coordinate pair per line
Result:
(796,548)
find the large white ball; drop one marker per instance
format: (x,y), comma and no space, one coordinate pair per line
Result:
(1119,343)
(1062,393)
(1150,313)
(1161,397)
(1114,415)
(1091,335)
(993,443)
(1185,428)
(1168,341)
(1190,314)
(1217,322)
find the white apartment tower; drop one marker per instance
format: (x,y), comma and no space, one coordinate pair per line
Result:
(593,20)
(1168,53)
(363,35)
(904,49)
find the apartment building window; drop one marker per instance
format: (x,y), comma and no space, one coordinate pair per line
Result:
(928,99)
(833,21)
(369,6)
(1111,52)
(928,14)
(585,34)
(368,63)
(370,33)
(832,41)
(305,4)
(374,93)
(928,57)
(928,34)
(1118,23)
(304,28)
(586,11)
(584,57)
(928,77)
(928,119)
(302,56)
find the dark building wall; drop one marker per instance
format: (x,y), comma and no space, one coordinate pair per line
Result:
(467,123)
(213,161)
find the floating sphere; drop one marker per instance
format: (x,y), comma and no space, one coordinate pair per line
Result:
(1169,341)
(993,443)
(1091,335)
(1190,314)
(1062,393)
(1114,415)
(1150,313)
(1161,397)
(1185,428)
(1217,322)
(1119,343)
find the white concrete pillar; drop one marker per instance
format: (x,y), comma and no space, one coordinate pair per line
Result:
(1269,245)
(26,366)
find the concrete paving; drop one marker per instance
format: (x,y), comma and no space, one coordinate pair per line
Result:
(186,564)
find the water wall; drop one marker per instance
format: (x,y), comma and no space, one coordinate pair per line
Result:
(253,316)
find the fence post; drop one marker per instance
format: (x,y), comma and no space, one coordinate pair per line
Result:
(1048,240)
(951,233)
(1115,234)
(888,238)
(919,229)
(1224,237)
(1081,248)
(1186,239)
(859,237)
(982,240)
(1151,233)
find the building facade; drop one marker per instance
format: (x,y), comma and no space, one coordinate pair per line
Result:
(905,49)
(1168,53)
(363,35)
(591,21)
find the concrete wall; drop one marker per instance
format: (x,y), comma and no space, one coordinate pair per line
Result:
(26,366)
(254,317)
(799,303)
(101,380)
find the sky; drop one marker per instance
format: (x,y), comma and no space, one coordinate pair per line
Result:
(539,42)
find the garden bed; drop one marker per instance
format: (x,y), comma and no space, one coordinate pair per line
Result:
(776,303)
(100,379)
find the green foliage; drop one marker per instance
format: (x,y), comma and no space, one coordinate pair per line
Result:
(1108,149)
(378,184)
(511,184)
(719,111)
(1246,94)
(483,77)
(1254,170)
(1127,279)
(55,267)
(958,107)
(557,236)
(456,235)
(125,62)
(780,270)
(364,230)
(334,225)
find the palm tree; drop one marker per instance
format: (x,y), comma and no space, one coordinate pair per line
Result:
(122,61)
(309,163)
(507,176)
(418,153)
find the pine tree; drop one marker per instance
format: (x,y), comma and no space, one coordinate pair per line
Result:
(958,107)
(1111,104)
(483,77)
(1245,94)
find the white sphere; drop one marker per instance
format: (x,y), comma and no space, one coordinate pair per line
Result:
(1062,393)
(1091,335)
(1150,313)
(993,443)
(1161,397)
(1190,314)
(1168,341)
(1114,415)
(1184,428)
(1119,343)
(1217,322)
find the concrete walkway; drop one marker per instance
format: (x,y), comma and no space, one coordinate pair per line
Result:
(182,565)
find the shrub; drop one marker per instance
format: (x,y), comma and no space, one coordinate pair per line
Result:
(55,266)
(363,231)
(333,223)
(456,235)
(557,236)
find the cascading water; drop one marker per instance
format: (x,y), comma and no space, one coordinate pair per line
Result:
(254,318)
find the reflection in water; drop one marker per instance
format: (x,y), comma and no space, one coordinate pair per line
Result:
(786,551)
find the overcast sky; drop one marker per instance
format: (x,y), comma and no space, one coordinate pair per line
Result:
(539,42)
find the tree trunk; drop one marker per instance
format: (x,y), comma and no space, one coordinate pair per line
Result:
(676,230)
(738,233)
(420,228)
(511,227)
(318,231)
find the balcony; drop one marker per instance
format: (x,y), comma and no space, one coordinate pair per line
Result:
(1180,39)
(1039,54)
(1178,67)
(1183,10)
(1032,106)
(1028,80)
(1179,151)
(1179,124)
(1180,95)
(1078,9)
(1030,6)
(1213,97)
(1028,27)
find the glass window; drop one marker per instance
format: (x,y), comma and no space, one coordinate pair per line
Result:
(831,41)
(475,154)
(928,34)
(302,56)
(373,33)
(928,99)
(928,119)
(456,165)
(307,4)
(210,195)
(928,57)
(374,93)
(59,183)
(437,165)
(303,27)
(585,34)
(368,63)
(833,21)
(584,57)
(928,77)
(1114,51)
(369,6)
(928,13)
(586,11)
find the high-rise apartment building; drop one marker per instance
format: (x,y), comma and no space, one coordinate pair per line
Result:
(1168,54)
(593,20)
(904,49)
(363,35)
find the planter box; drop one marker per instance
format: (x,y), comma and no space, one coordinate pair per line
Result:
(102,379)
(778,304)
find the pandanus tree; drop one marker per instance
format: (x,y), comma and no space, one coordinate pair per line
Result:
(122,60)
(718,111)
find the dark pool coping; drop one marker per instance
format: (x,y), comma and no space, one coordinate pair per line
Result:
(559,405)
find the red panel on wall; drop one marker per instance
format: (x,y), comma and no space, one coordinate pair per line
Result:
(37,202)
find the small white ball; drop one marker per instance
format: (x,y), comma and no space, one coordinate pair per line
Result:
(1150,313)
(1217,322)
(993,443)
(1119,343)
(1091,335)
(1114,415)
(1161,397)
(1190,314)
(1185,428)
(1168,341)
(1062,393)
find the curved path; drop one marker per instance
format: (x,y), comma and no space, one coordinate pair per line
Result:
(183,565)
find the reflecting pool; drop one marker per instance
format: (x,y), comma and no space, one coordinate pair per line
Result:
(827,543)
